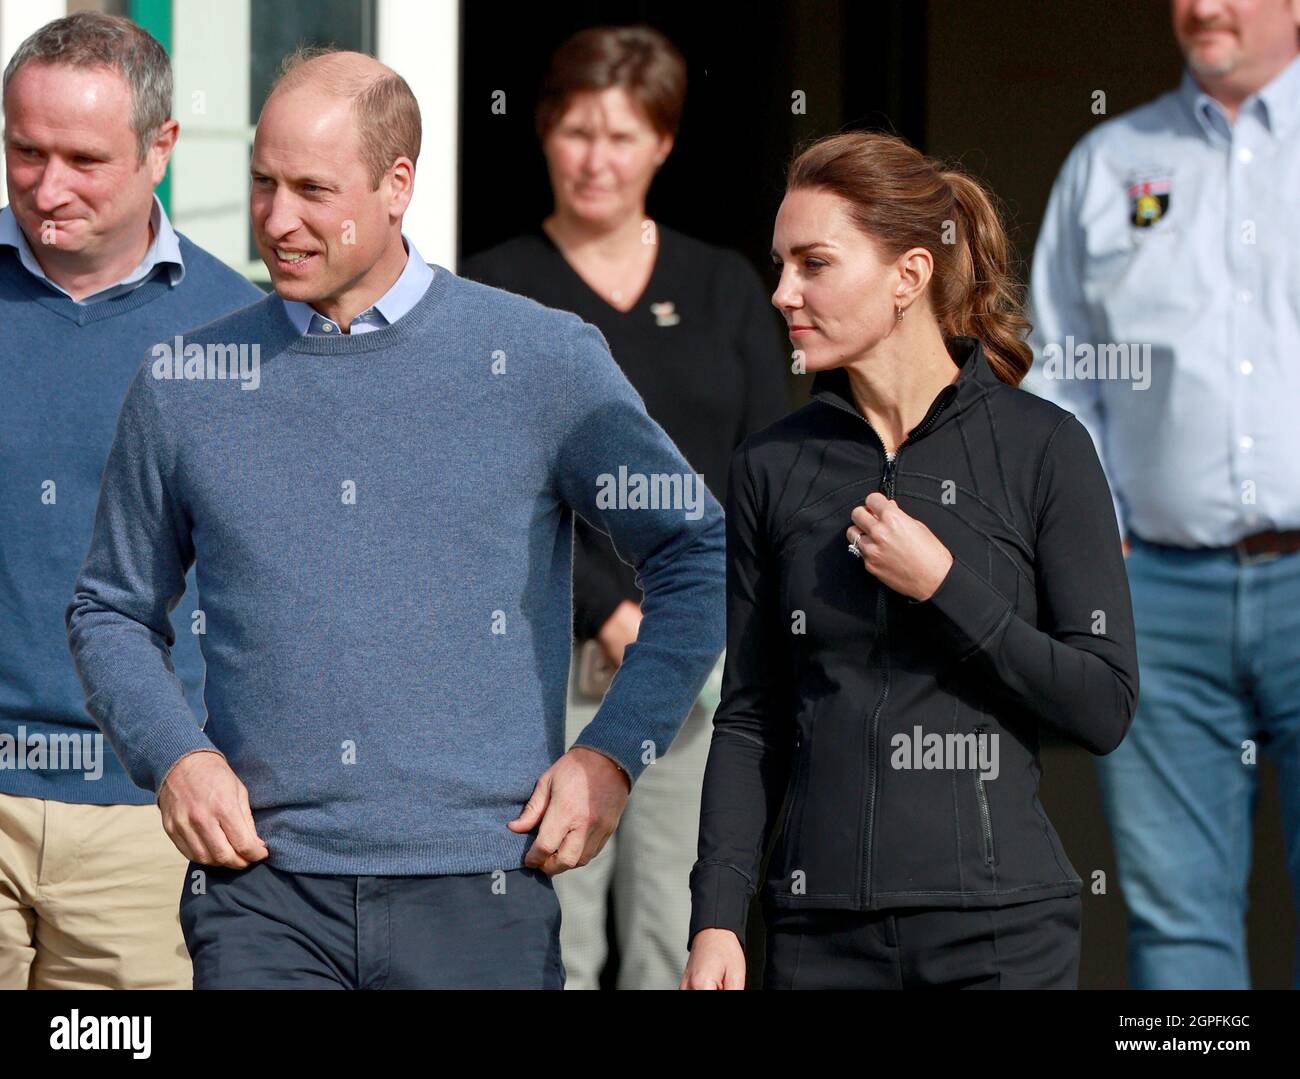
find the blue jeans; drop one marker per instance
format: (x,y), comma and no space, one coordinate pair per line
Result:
(1218,643)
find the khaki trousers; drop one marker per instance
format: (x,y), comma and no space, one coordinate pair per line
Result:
(89,897)
(646,864)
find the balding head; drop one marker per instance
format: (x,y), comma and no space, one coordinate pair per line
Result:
(333,171)
(334,71)
(386,112)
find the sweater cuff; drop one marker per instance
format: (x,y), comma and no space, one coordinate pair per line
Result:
(971,610)
(609,757)
(620,742)
(165,749)
(720,896)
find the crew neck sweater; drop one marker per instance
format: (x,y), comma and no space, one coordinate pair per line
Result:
(66,368)
(702,345)
(381,527)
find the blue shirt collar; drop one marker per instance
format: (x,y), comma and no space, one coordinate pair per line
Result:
(1279,102)
(406,292)
(1281,98)
(164,250)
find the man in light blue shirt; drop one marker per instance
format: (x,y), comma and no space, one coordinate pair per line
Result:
(1167,318)
(164,250)
(382,792)
(392,305)
(91,275)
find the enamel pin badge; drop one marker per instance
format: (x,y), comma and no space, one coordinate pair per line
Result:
(665,313)
(1148,201)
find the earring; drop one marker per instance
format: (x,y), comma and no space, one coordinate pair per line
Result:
(898,313)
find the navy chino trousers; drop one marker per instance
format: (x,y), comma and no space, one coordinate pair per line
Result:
(263,928)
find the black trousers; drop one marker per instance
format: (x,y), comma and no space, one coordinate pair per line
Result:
(1031,945)
(263,928)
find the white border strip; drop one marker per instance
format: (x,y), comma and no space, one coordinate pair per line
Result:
(19,19)
(420,40)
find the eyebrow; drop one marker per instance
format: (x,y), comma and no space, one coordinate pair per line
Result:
(800,249)
(22,143)
(253,170)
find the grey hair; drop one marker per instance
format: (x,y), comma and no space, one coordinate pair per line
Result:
(92,39)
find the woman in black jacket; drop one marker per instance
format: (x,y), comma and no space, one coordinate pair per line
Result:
(924,568)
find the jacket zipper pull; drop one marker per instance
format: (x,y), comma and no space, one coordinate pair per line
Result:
(891,467)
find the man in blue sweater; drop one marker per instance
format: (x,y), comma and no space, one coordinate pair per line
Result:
(379,498)
(91,273)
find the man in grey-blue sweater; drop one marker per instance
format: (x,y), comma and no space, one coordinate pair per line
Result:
(374,473)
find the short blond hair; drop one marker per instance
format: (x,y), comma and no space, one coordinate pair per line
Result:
(387,114)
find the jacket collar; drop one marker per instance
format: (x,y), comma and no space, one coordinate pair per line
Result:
(973,382)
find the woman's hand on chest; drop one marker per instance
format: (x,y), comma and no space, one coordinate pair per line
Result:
(897,549)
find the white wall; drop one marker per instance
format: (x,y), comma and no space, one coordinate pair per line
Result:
(420,40)
(19,19)
(209,170)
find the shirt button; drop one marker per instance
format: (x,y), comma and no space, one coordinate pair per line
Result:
(1245,295)
(1247,367)
(1244,156)
(1246,442)
(328,327)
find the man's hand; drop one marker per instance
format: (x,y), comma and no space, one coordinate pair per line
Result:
(620,630)
(205,812)
(898,549)
(575,807)
(1127,547)
(717,961)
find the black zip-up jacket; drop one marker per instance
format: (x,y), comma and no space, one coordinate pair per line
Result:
(829,673)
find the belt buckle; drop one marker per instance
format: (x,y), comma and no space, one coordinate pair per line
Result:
(1245,558)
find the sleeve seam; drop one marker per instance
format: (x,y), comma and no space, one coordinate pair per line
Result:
(759,532)
(566,400)
(1006,617)
(749,881)
(1042,468)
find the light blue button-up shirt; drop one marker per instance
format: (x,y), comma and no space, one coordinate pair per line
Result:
(164,250)
(1170,252)
(392,305)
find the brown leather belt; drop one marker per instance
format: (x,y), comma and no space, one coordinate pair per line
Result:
(1258,547)
(1264,546)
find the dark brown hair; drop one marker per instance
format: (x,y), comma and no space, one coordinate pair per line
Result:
(639,59)
(903,199)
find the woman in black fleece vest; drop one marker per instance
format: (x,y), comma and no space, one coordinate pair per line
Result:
(924,569)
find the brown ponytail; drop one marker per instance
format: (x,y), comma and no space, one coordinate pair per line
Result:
(991,309)
(903,199)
